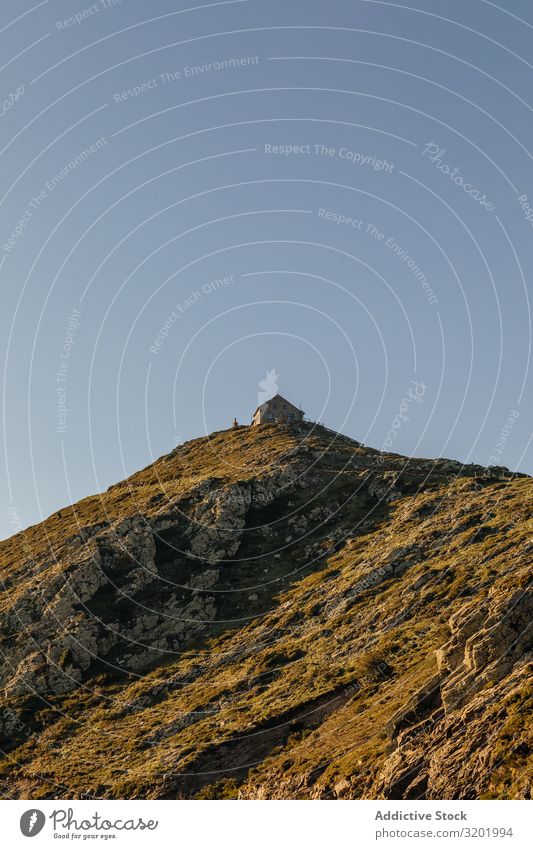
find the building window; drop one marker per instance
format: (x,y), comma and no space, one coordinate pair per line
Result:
(291,417)
(270,417)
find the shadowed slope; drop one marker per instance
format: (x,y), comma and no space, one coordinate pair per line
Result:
(273,612)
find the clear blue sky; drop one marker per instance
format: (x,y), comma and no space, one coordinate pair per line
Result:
(193,195)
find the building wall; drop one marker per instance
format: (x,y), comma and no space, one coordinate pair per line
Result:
(276,411)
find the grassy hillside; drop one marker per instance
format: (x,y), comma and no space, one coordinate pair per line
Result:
(273,612)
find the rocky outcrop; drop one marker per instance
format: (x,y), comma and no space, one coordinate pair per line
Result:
(485,644)
(93,612)
(99,608)
(273,612)
(485,664)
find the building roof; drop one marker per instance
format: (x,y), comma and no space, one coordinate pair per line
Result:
(277,398)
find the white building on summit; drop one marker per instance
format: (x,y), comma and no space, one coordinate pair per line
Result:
(276,410)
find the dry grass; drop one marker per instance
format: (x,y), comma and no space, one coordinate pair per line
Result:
(319,638)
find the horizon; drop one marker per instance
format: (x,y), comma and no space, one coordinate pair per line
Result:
(305,421)
(201,200)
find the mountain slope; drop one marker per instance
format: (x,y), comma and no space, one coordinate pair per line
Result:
(273,612)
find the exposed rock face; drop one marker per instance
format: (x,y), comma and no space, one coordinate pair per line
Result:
(486,643)
(93,610)
(352,624)
(484,665)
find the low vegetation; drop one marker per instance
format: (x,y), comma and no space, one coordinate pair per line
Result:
(273,612)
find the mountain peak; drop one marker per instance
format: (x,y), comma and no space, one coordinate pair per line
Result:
(280,595)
